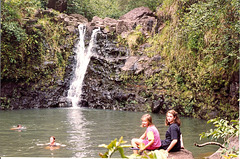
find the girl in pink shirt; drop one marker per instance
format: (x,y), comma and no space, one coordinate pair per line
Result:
(150,139)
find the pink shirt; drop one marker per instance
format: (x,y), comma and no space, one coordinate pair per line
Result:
(157,141)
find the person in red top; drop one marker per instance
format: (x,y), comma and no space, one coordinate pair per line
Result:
(150,140)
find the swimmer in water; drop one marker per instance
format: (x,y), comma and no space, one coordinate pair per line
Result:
(52,141)
(52,145)
(19,127)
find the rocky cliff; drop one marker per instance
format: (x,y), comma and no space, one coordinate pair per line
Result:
(103,85)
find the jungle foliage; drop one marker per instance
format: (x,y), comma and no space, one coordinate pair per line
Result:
(108,8)
(113,147)
(199,46)
(32,48)
(224,130)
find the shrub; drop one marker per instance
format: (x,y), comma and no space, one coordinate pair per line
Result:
(223,130)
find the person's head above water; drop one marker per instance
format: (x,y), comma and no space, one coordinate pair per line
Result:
(19,127)
(52,140)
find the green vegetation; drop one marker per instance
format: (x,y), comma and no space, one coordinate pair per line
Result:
(224,130)
(108,8)
(199,46)
(113,147)
(133,40)
(14,40)
(32,49)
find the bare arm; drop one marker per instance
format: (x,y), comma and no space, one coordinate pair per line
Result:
(145,147)
(149,144)
(143,136)
(150,137)
(181,139)
(173,143)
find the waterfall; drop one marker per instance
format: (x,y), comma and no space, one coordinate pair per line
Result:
(83,58)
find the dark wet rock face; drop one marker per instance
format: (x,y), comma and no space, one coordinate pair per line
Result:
(23,96)
(102,83)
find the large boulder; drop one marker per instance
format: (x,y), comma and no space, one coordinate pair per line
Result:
(141,64)
(72,21)
(142,16)
(182,154)
(137,14)
(107,25)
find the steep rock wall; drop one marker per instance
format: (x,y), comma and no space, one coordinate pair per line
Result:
(104,86)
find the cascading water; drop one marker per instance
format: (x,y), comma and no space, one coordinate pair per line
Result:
(83,58)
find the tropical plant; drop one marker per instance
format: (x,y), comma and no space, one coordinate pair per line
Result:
(15,39)
(134,39)
(224,130)
(113,147)
(82,7)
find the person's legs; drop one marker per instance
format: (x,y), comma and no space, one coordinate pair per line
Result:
(135,142)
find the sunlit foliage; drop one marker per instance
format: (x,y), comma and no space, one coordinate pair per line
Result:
(224,130)
(108,8)
(199,46)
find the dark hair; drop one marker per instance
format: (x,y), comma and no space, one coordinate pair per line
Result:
(175,114)
(52,137)
(148,117)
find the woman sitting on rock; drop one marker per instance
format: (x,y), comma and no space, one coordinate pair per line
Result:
(173,141)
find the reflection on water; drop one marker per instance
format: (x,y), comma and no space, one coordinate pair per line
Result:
(77,132)
(82,130)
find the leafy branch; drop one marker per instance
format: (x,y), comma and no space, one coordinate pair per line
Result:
(113,147)
(225,130)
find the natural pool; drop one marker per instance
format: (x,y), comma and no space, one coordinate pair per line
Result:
(82,130)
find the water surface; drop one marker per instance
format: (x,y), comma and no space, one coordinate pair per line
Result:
(82,130)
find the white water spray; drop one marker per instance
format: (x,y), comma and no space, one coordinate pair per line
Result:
(83,58)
